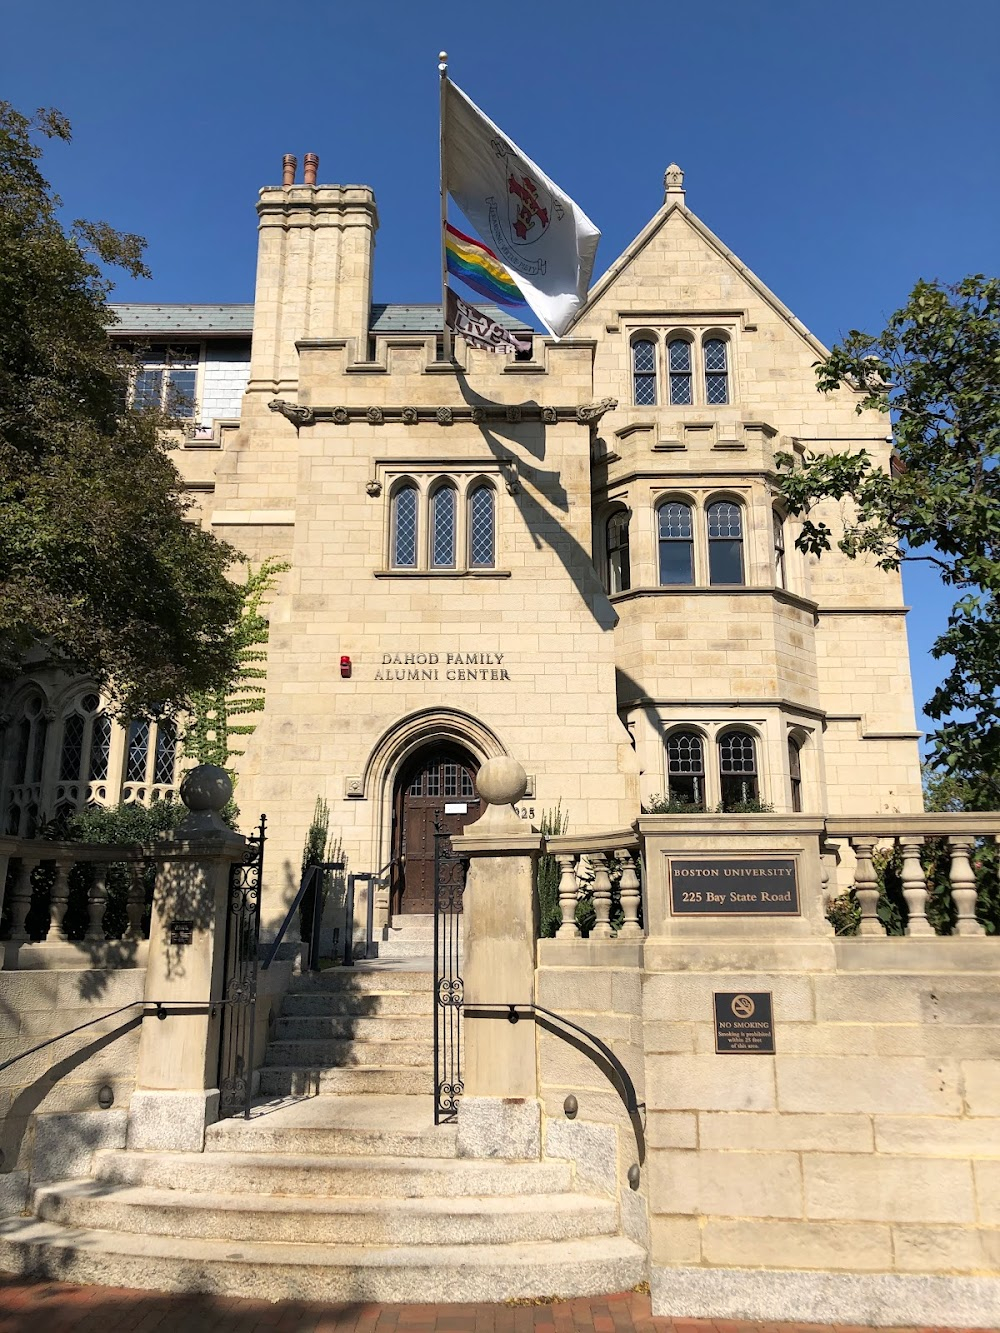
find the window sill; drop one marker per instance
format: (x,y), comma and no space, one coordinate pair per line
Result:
(719,589)
(442,573)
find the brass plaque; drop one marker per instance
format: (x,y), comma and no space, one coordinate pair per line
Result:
(744,1023)
(181,932)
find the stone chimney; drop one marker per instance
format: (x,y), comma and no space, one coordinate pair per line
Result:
(314,271)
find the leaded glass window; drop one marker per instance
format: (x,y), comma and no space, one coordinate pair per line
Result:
(795,773)
(482,535)
(778,525)
(100,749)
(676,543)
(166,754)
(686,768)
(443,517)
(725,542)
(716,371)
(136,751)
(404,528)
(167,378)
(644,372)
(71,759)
(619,572)
(679,362)
(737,768)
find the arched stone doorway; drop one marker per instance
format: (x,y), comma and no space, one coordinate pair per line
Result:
(435,788)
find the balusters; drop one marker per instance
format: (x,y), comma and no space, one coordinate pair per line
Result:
(630,896)
(963,886)
(136,902)
(59,898)
(568,930)
(20,899)
(915,887)
(602,897)
(866,886)
(97,901)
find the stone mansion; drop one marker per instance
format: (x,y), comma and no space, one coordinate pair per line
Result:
(574,556)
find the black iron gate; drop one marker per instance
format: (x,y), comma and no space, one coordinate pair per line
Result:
(449,995)
(239,1009)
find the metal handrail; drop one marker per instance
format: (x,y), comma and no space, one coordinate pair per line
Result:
(309,876)
(636,1109)
(158,1007)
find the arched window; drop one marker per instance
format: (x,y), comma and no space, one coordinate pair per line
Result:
(679,362)
(795,772)
(444,512)
(676,543)
(619,573)
(482,528)
(404,528)
(78,739)
(778,526)
(737,768)
(686,768)
(716,371)
(644,372)
(725,542)
(100,748)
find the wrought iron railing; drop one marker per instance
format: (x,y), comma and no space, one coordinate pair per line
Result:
(242,946)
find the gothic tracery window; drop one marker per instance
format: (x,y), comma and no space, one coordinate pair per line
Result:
(725,542)
(644,372)
(686,768)
(619,572)
(716,371)
(676,540)
(404,528)
(737,768)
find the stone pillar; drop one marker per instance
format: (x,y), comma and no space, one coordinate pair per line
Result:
(498,1115)
(176,1092)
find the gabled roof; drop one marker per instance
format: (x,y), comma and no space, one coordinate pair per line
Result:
(656,224)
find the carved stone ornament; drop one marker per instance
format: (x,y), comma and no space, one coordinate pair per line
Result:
(510,476)
(410,416)
(513,415)
(588,414)
(549,416)
(444,416)
(374,416)
(340,416)
(293,412)
(478,415)
(374,487)
(354,787)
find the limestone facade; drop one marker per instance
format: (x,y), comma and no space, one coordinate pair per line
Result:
(535,644)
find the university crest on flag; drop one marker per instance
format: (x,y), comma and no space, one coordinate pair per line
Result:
(544,239)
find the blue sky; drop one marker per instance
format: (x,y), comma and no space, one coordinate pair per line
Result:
(843,151)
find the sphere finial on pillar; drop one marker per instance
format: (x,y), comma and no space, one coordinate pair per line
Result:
(205,791)
(500,782)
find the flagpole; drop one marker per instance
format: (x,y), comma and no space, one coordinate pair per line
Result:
(443,72)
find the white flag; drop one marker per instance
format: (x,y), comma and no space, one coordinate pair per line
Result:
(544,239)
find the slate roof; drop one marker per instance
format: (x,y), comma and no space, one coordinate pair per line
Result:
(236,319)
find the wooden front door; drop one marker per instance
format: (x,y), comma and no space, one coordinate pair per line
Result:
(438,787)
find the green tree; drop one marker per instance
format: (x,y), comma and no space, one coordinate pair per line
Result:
(936,368)
(99,565)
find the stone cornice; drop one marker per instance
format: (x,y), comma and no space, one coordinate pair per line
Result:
(583,414)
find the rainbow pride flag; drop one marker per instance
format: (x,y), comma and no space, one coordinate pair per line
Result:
(479,268)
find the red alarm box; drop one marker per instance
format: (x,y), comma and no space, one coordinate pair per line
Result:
(345,667)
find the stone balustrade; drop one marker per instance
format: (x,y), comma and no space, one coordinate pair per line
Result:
(961,833)
(604,868)
(57,892)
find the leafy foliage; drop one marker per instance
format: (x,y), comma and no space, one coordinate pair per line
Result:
(673,805)
(936,368)
(211,726)
(552,823)
(98,562)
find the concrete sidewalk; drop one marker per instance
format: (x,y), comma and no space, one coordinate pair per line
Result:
(56,1307)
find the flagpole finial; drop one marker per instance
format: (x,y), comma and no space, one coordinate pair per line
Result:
(442,63)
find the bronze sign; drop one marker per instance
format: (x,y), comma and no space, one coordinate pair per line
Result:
(734,886)
(744,1023)
(181,932)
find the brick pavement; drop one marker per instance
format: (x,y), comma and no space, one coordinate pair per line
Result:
(57,1307)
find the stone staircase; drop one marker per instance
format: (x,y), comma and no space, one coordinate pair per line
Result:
(351,1194)
(411,935)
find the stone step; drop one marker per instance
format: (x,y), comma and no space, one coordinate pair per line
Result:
(412,921)
(409,932)
(275,1271)
(358,981)
(351,1027)
(309,1175)
(331,1004)
(333,1054)
(407,949)
(274,1218)
(389,1080)
(362,1126)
